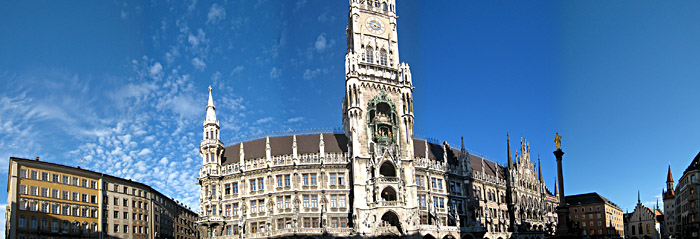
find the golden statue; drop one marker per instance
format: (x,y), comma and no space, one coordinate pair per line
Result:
(557,141)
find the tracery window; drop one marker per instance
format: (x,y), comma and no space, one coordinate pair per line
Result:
(370,54)
(382,57)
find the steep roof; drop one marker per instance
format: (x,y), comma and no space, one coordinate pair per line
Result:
(283,145)
(669,176)
(589,198)
(695,164)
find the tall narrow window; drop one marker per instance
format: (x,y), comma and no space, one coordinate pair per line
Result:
(382,57)
(370,54)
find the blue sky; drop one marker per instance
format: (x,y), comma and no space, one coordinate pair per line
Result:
(122,85)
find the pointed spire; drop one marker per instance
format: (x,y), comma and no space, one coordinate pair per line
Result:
(639,197)
(669,176)
(539,167)
(510,158)
(211,114)
(462,138)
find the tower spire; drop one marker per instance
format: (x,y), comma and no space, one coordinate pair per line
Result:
(639,197)
(539,167)
(510,158)
(211,113)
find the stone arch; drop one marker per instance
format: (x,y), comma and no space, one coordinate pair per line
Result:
(389,194)
(391,219)
(428,236)
(387,169)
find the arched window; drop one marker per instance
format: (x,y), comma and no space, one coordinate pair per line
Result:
(370,54)
(387,170)
(384,7)
(382,57)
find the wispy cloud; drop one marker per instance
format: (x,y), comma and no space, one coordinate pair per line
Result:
(216,14)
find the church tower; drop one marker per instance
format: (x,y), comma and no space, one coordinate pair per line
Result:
(211,147)
(378,117)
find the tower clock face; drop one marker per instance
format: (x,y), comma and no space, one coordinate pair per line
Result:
(375,25)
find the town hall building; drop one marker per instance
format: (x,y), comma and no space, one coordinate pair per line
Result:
(373,179)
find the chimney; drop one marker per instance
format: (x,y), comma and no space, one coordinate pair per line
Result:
(37,159)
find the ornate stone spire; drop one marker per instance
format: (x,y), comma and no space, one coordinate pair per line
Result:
(510,157)
(539,167)
(211,114)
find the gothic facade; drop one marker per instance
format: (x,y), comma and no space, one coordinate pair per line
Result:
(680,203)
(373,179)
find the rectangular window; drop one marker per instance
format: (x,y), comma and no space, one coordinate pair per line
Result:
(22,189)
(234,188)
(44,176)
(66,179)
(116,228)
(434,182)
(93,184)
(213,190)
(332,179)
(126,215)
(23,173)
(279,181)
(228,210)
(44,192)
(35,175)
(33,190)
(235,209)
(261,186)
(116,214)
(341,201)
(343,222)
(306,201)
(287,180)
(76,181)
(254,227)
(334,222)
(307,222)
(253,206)
(55,209)
(314,201)
(56,178)
(280,202)
(85,197)
(66,195)
(55,194)
(227,189)
(313,179)
(213,210)
(126,202)
(334,201)
(252,185)
(126,228)
(84,183)
(305,179)
(287,201)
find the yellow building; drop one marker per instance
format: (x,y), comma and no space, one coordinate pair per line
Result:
(48,200)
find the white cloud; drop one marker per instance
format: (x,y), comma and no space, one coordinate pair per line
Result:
(275,73)
(295,120)
(216,14)
(145,152)
(199,63)
(321,43)
(236,70)
(156,69)
(264,120)
(310,74)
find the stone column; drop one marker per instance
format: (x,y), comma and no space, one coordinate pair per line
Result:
(562,209)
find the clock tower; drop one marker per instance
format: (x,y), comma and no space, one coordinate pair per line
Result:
(378,120)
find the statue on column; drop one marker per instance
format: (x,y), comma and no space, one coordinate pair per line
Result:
(557,141)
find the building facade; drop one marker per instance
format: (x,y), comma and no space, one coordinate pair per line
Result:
(595,216)
(683,201)
(48,200)
(643,222)
(373,178)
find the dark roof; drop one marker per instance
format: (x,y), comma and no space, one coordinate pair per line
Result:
(418,148)
(283,145)
(490,168)
(588,198)
(695,164)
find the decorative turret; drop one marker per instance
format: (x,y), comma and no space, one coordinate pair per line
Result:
(211,147)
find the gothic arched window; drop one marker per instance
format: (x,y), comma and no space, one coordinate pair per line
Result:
(382,57)
(384,7)
(370,54)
